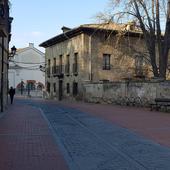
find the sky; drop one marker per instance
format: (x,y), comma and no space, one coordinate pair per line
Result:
(35,21)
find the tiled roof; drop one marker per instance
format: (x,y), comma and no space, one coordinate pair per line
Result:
(107,26)
(91,28)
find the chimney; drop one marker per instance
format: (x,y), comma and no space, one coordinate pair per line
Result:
(65,29)
(31,45)
(131,26)
(128,27)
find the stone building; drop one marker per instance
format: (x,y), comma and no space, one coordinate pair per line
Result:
(93,53)
(24,71)
(5,35)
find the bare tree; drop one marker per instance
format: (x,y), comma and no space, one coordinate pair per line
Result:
(153,17)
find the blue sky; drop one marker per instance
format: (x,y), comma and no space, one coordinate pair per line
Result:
(38,20)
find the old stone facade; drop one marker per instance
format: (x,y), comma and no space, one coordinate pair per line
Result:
(5,29)
(135,93)
(92,53)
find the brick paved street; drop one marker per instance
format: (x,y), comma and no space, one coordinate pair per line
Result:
(85,137)
(26,142)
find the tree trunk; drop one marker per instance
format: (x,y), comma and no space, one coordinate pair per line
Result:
(150,40)
(166,46)
(152,54)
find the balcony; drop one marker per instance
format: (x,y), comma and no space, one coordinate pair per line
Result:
(67,69)
(106,67)
(48,72)
(75,69)
(54,71)
(60,71)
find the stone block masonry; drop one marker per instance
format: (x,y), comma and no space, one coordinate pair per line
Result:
(140,93)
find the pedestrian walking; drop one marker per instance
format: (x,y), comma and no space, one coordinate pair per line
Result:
(11,93)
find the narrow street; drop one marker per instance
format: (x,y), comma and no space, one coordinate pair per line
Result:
(46,135)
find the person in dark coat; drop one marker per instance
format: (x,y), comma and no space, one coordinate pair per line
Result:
(11,93)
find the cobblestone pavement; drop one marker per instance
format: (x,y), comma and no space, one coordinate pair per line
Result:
(153,125)
(91,143)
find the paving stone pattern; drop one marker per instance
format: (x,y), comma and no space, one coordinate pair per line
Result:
(90,143)
(26,143)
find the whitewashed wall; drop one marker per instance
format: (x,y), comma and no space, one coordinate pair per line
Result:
(22,72)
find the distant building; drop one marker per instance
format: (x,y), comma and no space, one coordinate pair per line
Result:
(24,70)
(93,53)
(5,36)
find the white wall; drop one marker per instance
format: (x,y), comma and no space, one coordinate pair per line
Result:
(18,71)
(11,78)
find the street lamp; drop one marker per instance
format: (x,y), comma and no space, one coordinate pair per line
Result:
(42,68)
(12,52)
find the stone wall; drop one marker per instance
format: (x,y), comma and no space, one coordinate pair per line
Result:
(4,80)
(126,92)
(68,48)
(123,57)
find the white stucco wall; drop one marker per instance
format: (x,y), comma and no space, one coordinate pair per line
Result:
(26,66)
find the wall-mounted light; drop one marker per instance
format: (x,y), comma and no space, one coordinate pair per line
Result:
(42,68)
(13,51)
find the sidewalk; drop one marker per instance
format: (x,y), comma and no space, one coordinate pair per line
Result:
(26,142)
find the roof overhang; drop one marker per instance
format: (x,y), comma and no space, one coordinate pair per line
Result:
(74,32)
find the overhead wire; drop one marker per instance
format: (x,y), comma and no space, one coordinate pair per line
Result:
(26,62)
(33,66)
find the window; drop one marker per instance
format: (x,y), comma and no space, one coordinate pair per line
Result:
(139,65)
(67,66)
(75,89)
(60,60)
(49,63)
(48,68)
(60,64)
(54,87)
(68,59)
(106,61)
(54,66)
(68,88)
(48,87)
(75,58)
(54,62)
(75,64)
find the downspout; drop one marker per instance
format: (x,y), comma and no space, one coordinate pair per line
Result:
(90,59)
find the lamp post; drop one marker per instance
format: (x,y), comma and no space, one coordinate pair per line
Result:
(13,51)
(42,68)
